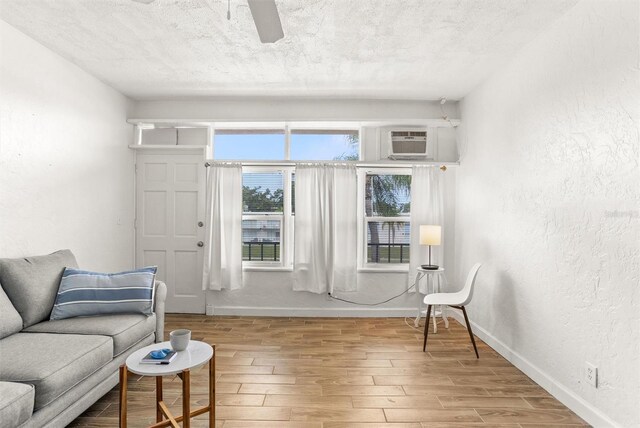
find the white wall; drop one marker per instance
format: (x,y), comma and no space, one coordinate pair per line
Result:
(280,109)
(548,199)
(66,174)
(270,293)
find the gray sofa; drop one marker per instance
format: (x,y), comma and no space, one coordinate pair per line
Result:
(52,371)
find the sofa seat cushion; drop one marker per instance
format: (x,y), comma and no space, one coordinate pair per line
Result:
(52,363)
(16,403)
(125,329)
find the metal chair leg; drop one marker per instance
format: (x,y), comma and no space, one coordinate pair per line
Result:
(466,319)
(426,328)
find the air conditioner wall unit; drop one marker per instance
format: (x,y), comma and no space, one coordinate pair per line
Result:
(408,144)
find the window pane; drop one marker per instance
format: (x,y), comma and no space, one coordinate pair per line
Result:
(261,240)
(249,144)
(388,242)
(262,192)
(325,145)
(387,195)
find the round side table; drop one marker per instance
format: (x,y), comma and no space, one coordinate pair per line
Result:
(431,274)
(196,354)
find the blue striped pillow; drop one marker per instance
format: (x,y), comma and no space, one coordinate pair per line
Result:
(82,293)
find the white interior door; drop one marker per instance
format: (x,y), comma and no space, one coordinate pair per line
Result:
(169,232)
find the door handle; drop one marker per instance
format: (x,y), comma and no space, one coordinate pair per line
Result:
(200,244)
(200,224)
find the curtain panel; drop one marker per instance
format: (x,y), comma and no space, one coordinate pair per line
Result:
(223,228)
(325,250)
(426,208)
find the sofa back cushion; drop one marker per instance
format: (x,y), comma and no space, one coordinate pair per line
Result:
(32,283)
(10,321)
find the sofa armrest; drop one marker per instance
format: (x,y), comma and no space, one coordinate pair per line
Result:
(160,297)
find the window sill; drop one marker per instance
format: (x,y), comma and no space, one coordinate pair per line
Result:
(385,269)
(256,268)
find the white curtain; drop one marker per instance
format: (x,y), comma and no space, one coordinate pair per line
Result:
(426,208)
(325,254)
(223,231)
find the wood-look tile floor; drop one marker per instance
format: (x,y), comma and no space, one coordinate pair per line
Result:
(343,372)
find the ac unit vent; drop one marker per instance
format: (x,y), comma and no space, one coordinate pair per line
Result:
(408,144)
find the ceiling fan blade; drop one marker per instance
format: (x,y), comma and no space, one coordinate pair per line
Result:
(265,16)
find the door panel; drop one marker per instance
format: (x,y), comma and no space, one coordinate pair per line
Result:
(186,173)
(186,214)
(155,213)
(170,203)
(186,261)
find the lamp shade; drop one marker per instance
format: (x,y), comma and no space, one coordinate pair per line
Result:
(430,234)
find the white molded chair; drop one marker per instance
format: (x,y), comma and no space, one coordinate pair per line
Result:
(457,300)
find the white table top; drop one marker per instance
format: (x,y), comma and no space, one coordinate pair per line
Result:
(439,270)
(196,354)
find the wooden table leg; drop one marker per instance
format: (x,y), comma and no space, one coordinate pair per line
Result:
(159,414)
(186,398)
(123,396)
(212,389)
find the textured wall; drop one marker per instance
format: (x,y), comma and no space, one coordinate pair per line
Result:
(548,199)
(66,174)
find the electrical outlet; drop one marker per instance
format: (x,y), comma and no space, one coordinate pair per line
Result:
(209,310)
(591,374)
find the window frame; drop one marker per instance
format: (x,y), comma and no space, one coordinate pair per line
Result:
(285,218)
(363,220)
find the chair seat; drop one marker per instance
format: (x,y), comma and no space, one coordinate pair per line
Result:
(451,299)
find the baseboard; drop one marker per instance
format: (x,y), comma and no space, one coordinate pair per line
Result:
(314,312)
(567,397)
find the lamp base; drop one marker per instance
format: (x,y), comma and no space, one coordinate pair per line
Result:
(430,267)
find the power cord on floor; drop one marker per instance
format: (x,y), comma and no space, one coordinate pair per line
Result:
(372,304)
(410,326)
(380,303)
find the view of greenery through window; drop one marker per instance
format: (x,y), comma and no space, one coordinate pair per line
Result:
(387,211)
(387,203)
(263,207)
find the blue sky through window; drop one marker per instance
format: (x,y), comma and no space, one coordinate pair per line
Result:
(321,147)
(271,146)
(249,146)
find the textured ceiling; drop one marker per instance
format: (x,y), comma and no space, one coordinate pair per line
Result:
(397,49)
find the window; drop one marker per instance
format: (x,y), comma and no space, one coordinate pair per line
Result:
(266,216)
(315,144)
(246,144)
(269,142)
(387,223)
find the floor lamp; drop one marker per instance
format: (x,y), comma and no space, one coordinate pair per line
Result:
(430,235)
